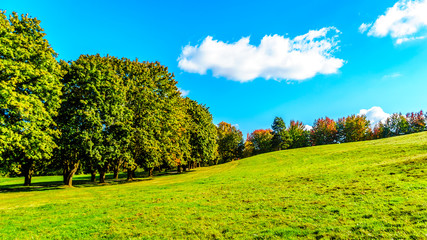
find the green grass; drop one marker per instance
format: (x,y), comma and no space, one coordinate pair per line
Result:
(365,190)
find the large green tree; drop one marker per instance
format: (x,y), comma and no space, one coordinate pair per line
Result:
(203,134)
(94,117)
(153,100)
(30,92)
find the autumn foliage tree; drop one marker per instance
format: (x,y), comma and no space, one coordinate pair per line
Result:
(261,140)
(416,121)
(353,128)
(324,131)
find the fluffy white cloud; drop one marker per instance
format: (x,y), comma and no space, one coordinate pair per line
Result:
(277,57)
(374,114)
(308,127)
(184,93)
(402,21)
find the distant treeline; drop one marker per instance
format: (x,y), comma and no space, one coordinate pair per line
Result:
(327,131)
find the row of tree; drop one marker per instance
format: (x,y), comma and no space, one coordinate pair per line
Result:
(96,114)
(327,131)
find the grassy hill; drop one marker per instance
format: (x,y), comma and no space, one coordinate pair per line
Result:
(373,189)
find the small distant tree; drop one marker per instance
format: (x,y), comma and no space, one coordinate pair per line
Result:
(230,141)
(378,131)
(299,135)
(395,125)
(281,138)
(416,121)
(261,140)
(248,149)
(353,128)
(324,131)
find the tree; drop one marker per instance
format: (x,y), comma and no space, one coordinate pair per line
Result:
(324,131)
(353,128)
(261,140)
(281,138)
(153,100)
(30,91)
(416,121)
(230,141)
(94,117)
(395,125)
(203,134)
(299,135)
(378,131)
(248,149)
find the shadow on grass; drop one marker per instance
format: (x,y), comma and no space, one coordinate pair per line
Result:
(83,181)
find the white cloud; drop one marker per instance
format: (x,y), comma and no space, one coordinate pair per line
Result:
(308,127)
(375,115)
(277,57)
(407,39)
(402,21)
(184,93)
(364,27)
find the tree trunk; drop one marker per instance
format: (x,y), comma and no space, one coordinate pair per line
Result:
(150,174)
(68,176)
(93,176)
(68,173)
(28,174)
(179,169)
(27,181)
(184,168)
(101,176)
(130,175)
(116,173)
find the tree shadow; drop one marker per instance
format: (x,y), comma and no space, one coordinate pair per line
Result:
(83,181)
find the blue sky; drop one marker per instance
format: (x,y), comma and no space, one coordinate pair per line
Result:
(337,69)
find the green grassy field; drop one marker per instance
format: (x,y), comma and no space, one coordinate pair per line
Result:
(373,189)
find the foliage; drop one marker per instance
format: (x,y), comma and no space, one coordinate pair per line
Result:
(203,132)
(324,131)
(353,128)
(416,121)
(281,138)
(230,142)
(30,92)
(248,149)
(395,125)
(261,140)
(300,137)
